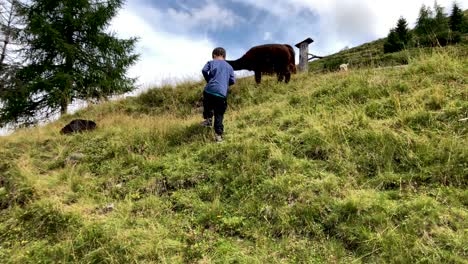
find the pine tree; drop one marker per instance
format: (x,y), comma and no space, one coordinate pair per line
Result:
(402,31)
(398,38)
(441,26)
(432,28)
(10,22)
(456,18)
(393,43)
(441,22)
(69,56)
(424,22)
(464,28)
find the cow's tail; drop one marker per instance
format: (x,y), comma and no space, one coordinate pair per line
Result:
(292,65)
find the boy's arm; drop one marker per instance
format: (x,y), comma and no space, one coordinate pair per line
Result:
(232,79)
(206,71)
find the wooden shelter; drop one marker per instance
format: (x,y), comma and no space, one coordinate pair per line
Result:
(303,47)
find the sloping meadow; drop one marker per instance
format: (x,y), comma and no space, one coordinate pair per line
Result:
(363,166)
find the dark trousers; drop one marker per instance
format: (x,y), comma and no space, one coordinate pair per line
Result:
(214,105)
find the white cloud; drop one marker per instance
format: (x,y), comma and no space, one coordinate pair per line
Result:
(209,17)
(165,57)
(267,36)
(174,43)
(343,23)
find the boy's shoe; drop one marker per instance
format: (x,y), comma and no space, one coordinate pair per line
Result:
(218,138)
(207,123)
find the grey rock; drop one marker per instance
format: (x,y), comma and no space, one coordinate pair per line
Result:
(108,208)
(74,158)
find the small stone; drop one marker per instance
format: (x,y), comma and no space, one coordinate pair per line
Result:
(108,208)
(74,158)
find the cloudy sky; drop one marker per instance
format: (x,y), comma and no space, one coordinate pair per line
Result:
(176,37)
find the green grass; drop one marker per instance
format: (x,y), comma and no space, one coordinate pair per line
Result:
(367,166)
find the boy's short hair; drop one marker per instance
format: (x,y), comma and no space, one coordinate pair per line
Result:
(219,52)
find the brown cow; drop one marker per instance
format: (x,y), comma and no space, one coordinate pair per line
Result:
(269,58)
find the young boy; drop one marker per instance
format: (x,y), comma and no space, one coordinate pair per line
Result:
(219,75)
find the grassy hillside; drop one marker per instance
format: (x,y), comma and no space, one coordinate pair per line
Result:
(368,166)
(372,55)
(363,55)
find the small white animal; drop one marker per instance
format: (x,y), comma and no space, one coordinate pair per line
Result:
(344,67)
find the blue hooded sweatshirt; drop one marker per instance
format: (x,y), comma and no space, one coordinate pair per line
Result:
(219,75)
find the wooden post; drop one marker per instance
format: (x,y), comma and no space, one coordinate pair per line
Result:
(304,54)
